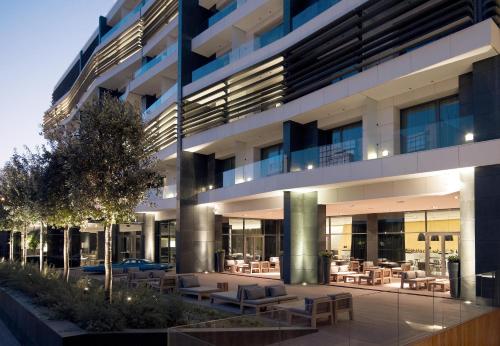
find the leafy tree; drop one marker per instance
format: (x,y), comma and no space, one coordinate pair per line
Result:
(7,224)
(18,188)
(116,163)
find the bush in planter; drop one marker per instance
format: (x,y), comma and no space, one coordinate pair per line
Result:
(454,275)
(326,261)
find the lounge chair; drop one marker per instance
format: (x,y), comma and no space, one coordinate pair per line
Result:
(337,272)
(168,283)
(416,279)
(372,277)
(255,267)
(386,275)
(137,278)
(275,263)
(190,286)
(341,302)
(313,309)
(265,267)
(403,268)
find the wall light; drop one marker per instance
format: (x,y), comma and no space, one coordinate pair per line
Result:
(310,167)
(249,179)
(469,137)
(385,152)
(210,187)
(372,156)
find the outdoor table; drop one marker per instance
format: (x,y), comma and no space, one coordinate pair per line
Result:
(354,277)
(223,286)
(444,285)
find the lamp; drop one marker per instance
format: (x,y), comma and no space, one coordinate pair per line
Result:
(448,237)
(421,237)
(435,238)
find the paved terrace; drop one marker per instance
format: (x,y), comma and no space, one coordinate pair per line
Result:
(380,317)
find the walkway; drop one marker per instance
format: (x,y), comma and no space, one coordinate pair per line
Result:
(6,337)
(380,317)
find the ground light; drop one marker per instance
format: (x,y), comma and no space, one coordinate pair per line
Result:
(310,167)
(304,283)
(469,137)
(385,153)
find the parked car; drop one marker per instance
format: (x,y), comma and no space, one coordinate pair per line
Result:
(142,264)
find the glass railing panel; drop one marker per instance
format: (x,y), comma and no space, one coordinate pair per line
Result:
(225,11)
(240,52)
(252,171)
(124,20)
(312,11)
(437,135)
(168,94)
(160,57)
(169,191)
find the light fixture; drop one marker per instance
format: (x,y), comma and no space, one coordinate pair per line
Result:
(385,152)
(129,299)
(309,167)
(469,137)
(435,238)
(456,197)
(421,237)
(210,187)
(372,156)
(249,179)
(304,283)
(448,237)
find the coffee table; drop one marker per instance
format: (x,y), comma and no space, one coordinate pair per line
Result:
(354,277)
(439,285)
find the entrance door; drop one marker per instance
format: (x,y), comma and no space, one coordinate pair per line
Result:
(254,248)
(439,247)
(130,245)
(167,242)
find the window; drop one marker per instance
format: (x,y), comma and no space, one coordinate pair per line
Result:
(342,145)
(227,167)
(432,125)
(272,160)
(346,236)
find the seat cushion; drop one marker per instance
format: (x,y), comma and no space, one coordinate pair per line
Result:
(230,263)
(308,305)
(201,289)
(344,268)
(334,269)
(410,275)
(189,281)
(421,274)
(261,301)
(156,274)
(140,275)
(240,290)
(286,298)
(276,291)
(226,296)
(254,293)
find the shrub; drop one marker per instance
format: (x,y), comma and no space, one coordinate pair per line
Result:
(81,301)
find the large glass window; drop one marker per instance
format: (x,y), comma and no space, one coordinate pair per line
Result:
(227,170)
(432,125)
(271,160)
(167,241)
(342,145)
(346,236)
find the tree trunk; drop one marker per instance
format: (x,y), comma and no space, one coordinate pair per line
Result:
(108,274)
(11,246)
(41,247)
(24,236)
(66,253)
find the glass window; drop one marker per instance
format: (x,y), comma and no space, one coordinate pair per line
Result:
(342,145)
(271,160)
(432,125)
(346,237)
(227,170)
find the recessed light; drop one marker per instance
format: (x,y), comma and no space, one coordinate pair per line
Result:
(469,137)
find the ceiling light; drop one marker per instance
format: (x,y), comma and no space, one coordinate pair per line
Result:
(310,167)
(469,137)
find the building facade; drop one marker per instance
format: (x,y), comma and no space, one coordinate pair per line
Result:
(370,128)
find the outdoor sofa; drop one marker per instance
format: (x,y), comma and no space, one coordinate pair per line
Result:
(189,285)
(254,296)
(415,279)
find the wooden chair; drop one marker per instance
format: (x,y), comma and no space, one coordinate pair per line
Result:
(372,277)
(404,268)
(386,275)
(354,266)
(367,265)
(255,267)
(341,302)
(265,267)
(313,310)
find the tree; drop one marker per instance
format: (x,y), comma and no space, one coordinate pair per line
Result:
(18,188)
(59,193)
(7,224)
(116,163)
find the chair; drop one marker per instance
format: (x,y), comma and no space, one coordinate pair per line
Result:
(275,263)
(341,302)
(136,278)
(386,275)
(404,268)
(255,267)
(372,277)
(265,267)
(190,286)
(313,310)
(230,266)
(354,266)
(367,265)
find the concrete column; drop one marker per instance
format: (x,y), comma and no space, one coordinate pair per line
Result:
(389,129)
(467,234)
(301,245)
(371,237)
(371,134)
(149,236)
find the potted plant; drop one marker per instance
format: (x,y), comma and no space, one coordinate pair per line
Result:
(281,265)
(325,265)
(454,274)
(220,256)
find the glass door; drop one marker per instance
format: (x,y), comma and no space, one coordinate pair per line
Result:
(254,248)
(167,242)
(439,247)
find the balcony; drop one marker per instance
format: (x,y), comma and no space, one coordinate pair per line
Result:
(151,110)
(123,21)
(231,7)
(160,57)
(312,11)
(240,52)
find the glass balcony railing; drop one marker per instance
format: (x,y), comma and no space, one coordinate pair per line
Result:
(151,109)
(153,62)
(231,7)
(252,171)
(124,20)
(240,52)
(312,11)
(169,191)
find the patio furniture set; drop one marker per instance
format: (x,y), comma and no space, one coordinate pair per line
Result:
(240,266)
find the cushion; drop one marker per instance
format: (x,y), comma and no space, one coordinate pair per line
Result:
(240,262)
(410,275)
(261,301)
(140,275)
(189,281)
(254,292)
(156,274)
(240,289)
(421,274)
(276,291)
(334,269)
(230,262)
(308,302)
(344,268)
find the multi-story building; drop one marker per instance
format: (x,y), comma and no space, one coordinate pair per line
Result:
(369,128)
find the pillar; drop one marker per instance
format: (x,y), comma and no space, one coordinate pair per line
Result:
(467,250)
(301,233)
(149,236)
(371,237)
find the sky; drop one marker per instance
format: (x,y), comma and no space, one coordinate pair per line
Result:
(39,40)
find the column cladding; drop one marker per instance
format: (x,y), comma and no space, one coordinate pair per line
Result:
(371,237)
(301,234)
